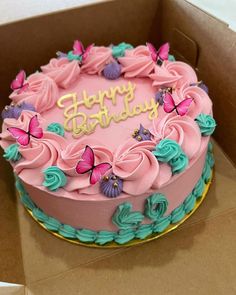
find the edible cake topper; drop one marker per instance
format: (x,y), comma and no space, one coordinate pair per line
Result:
(116,138)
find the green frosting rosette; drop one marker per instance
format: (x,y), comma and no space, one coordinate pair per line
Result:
(206,123)
(12,153)
(156,206)
(56,128)
(72,56)
(54,178)
(179,163)
(166,150)
(119,50)
(124,218)
(169,151)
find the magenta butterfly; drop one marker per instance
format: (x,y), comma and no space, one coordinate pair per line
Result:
(78,49)
(22,136)
(87,165)
(19,82)
(181,108)
(159,55)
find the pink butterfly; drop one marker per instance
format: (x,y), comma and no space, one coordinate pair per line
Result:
(19,82)
(78,49)
(87,165)
(22,136)
(159,55)
(181,108)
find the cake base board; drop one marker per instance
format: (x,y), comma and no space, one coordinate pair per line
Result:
(135,241)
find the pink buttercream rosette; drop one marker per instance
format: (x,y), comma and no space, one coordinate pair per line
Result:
(201,102)
(62,71)
(171,74)
(71,155)
(42,93)
(135,163)
(137,62)
(183,130)
(96,60)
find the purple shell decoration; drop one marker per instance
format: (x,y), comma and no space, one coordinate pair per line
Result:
(112,71)
(14,111)
(159,97)
(142,134)
(111,186)
(201,85)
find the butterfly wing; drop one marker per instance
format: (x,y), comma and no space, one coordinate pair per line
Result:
(183,106)
(34,128)
(87,162)
(98,171)
(20,135)
(169,104)
(153,51)
(78,48)
(23,88)
(163,51)
(18,82)
(87,51)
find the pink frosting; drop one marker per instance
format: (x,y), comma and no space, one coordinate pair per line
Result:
(42,92)
(163,176)
(181,129)
(62,71)
(41,153)
(96,60)
(71,155)
(136,165)
(22,122)
(174,73)
(201,102)
(137,62)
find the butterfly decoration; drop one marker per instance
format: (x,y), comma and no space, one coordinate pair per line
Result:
(19,83)
(22,136)
(181,108)
(159,55)
(87,164)
(78,49)
(159,96)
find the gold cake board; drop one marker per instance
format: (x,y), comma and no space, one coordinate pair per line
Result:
(133,242)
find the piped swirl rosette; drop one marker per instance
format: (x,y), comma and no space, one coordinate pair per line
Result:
(42,92)
(137,62)
(183,130)
(71,155)
(62,71)
(40,153)
(136,165)
(173,74)
(96,60)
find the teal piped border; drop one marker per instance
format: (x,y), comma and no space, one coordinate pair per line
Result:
(123,236)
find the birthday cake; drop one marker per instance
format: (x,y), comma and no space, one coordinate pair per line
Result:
(109,144)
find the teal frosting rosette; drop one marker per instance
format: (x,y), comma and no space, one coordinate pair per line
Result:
(54,178)
(12,153)
(206,123)
(125,218)
(119,50)
(56,128)
(169,151)
(155,206)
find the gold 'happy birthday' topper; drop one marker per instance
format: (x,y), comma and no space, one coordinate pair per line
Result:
(80,123)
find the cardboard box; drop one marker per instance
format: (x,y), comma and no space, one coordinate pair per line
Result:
(198,257)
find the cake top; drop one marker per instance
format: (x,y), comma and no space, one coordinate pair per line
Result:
(102,122)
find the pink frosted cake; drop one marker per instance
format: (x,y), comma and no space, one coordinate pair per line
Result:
(109,145)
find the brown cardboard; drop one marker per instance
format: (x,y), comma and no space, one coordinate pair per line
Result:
(198,257)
